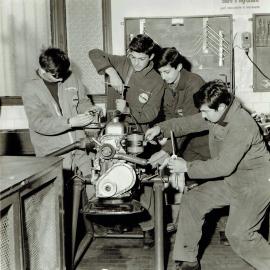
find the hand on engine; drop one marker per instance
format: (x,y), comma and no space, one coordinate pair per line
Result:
(177,181)
(151,133)
(95,109)
(163,141)
(165,163)
(178,165)
(121,105)
(158,158)
(115,80)
(81,120)
(175,165)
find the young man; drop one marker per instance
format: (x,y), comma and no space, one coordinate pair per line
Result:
(178,102)
(240,156)
(135,76)
(143,91)
(56,106)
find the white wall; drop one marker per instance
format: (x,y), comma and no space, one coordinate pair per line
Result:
(13,117)
(84,32)
(241,10)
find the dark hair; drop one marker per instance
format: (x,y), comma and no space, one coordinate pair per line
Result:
(171,56)
(56,61)
(212,94)
(143,44)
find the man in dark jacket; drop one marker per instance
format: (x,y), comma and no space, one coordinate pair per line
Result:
(141,87)
(178,102)
(239,155)
(134,77)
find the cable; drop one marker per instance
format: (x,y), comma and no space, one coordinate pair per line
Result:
(233,71)
(256,66)
(246,52)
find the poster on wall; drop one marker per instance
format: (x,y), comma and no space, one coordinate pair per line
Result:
(240,5)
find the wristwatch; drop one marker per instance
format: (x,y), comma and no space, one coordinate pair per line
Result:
(68,121)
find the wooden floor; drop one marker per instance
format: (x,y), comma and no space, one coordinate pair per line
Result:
(128,254)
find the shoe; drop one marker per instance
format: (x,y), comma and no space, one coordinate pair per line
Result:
(181,265)
(223,240)
(171,227)
(149,239)
(119,228)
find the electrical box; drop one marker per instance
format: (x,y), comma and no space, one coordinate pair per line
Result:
(246,40)
(205,41)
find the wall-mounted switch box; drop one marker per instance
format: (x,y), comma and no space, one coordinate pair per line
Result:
(178,21)
(246,40)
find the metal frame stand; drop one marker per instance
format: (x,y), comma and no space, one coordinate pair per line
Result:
(159,224)
(158,187)
(77,196)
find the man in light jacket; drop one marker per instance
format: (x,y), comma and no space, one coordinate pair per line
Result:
(56,105)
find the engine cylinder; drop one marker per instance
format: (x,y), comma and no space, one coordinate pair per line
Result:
(115,127)
(135,143)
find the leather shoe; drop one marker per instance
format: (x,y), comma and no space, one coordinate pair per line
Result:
(223,239)
(149,239)
(181,265)
(171,227)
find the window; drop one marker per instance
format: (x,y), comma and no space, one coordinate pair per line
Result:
(24,30)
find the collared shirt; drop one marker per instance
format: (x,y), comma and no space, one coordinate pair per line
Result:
(174,85)
(221,121)
(180,101)
(180,104)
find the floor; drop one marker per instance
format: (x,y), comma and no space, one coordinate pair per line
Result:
(128,254)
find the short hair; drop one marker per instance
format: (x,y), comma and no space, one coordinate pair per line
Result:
(55,61)
(171,56)
(212,94)
(143,44)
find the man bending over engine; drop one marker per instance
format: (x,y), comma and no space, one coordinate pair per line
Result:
(133,76)
(142,88)
(239,155)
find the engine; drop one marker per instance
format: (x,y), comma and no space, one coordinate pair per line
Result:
(116,167)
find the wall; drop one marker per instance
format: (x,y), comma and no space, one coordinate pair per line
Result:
(84,32)
(241,10)
(13,117)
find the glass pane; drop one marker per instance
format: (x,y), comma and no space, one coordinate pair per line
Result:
(25,29)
